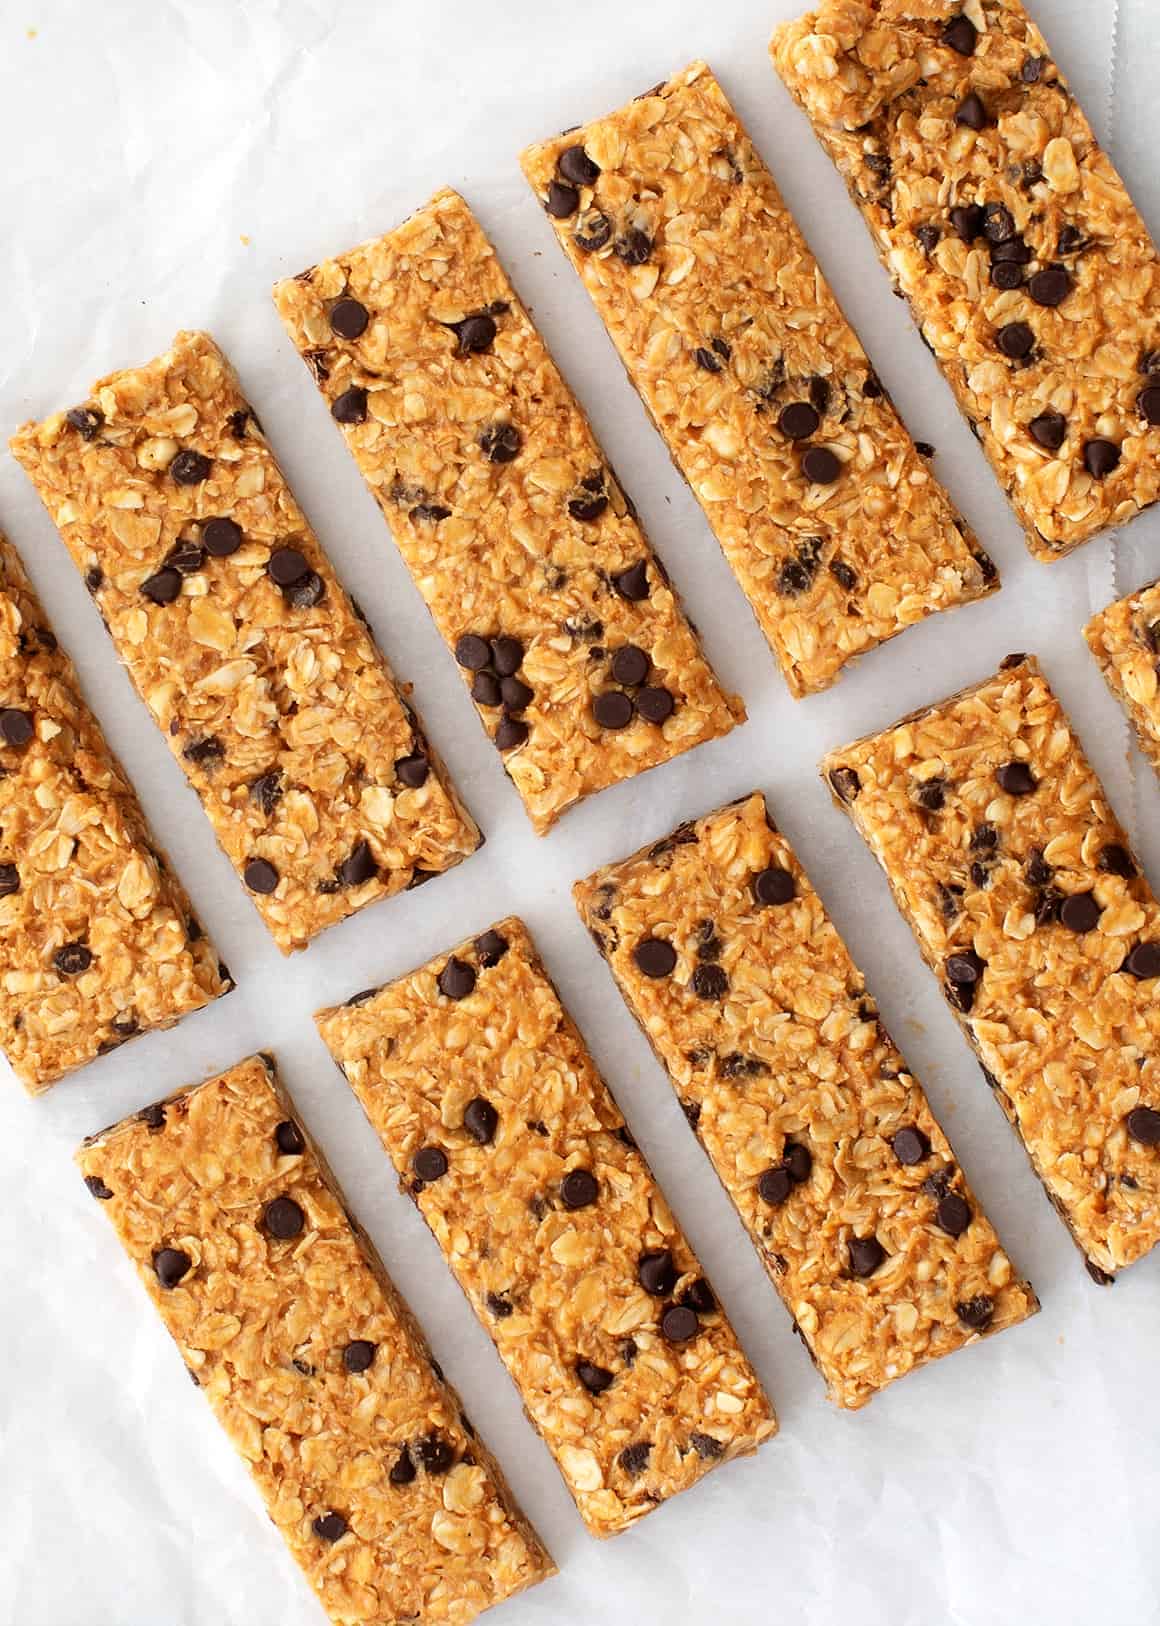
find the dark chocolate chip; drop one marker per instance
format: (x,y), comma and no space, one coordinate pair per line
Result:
(429,513)
(562,200)
(97,1188)
(475,334)
(612,709)
(1143,1124)
(865,1253)
(515,694)
(964,970)
(931,795)
(359,1355)
(961,35)
(821,466)
(190,468)
(634,1458)
(1050,286)
(473,652)
(656,1272)
(846,578)
(221,537)
(285,566)
(774,1186)
(94,579)
(594,1378)
(1032,70)
(267,791)
(153,1116)
(500,1307)
(163,586)
(579,1189)
(1007,275)
(1016,779)
(710,982)
(507,656)
(1011,250)
(330,1526)
(1116,860)
(707,360)
(630,666)
(1049,429)
(284,1219)
(510,733)
(350,406)
(976,1313)
(9,880)
(1015,340)
(349,318)
(797,1161)
(588,507)
(170,1265)
(655,705)
(260,876)
(1143,962)
(359,867)
(632,583)
(634,246)
(679,1323)
(910,1146)
(706,1447)
(1071,240)
(491,948)
(998,223)
(435,1454)
(430,1163)
(699,1296)
(85,420)
(655,957)
(1080,913)
(928,237)
(501,442)
(953,1214)
(480,1118)
(72,959)
(1037,871)
(404,1471)
(1148,402)
(308,592)
(846,784)
(457,979)
(289,1138)
(967,221)
(972,112)
(485,689)
(575,166)
(798,420)
(593,231)
(1100,458)
(872,389)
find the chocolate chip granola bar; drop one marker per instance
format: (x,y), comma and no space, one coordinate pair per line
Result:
(817,1129)
(1125,640)
(313,1365)
(1017,880)
(257,667)
(1028,268)
(835,527)
(98,940)
(530,557)
(518,1158)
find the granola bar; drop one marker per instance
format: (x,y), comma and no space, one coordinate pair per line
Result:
(1028,269)
(836,529)
(98,940)
(1125,640)
(312,1363)
(813,1122)
(519,1160)
(531,559)
(1017,879)
(257,667)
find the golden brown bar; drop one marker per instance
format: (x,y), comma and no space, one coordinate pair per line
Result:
(836,529)
(1125,640)
(98,939)
(531,559)
(311,765)
(814,1124)
(516,1154)
(1017,880)
(1028,269)
(312,1363)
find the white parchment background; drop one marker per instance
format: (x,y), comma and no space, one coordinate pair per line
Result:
(163,162)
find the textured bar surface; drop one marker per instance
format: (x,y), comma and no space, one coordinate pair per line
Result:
(1028,268)
(821,1136)
(1017,880)
(98,940)
(836,529)
(1125,640)
(309,762)
(313,1365)
(505,509)
(513,1148)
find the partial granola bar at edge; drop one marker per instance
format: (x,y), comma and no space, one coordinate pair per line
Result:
(1008,863)
(257,667)
(529,556)
(515,1152)
(98,939)
(1029,271)
(822,1138)
(313,1365)
(1125,640)
(828,513)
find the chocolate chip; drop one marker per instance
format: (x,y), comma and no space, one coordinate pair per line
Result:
(655,705)
(630,666)
(186,556)
(594,1378)
(515,694)
(308,592)
(480,1118)
(94,579)
(655,957)
(961,35)
(1016,779)
(1032,70)
(85,420)
(284,1219)
(429,513)
(162,587)
(190,468)
(845,577)
(846,784)
(97,1188)
(1071,239)
(285,566)
(510,733)
(699,1296)
(359,1355)
(457,979)
(1049,429)
(491,948)
(1080,913)
(1007,275)
(221,537)
(774,1186)
(612,709)
(910,1146)
(931,795)
(404,1471)
(797,1161)
(170,1265)
(593,231)
(412,771)
(72,959)
(350,406)
(500,1307)
(9,880)
(967,221)
(329,1526)
(260,876)
(359,867)
(562,200)
(579,1189)
(964,970)
(976,1313)
(349,318)
(706,360)
(1037,871)
(798,420)
(430,1163)
(153,1116)
(710,982)
(1050,286)
(656,1272)
(507,655)
(821,466)
(1100,458)
(575,165)
(289,1138)
(928,237)
(267,791)
(1148,401)
(589,507)
(865,1253)
(872,389)
(972,112)
(634,1458)
(473,652)
(16,726)
(953,1214)
(706,1447)
(1048,906)
(632,583)
(501,442)
(679,1323)
(634,246)
(1015,340)
(485,689)
(1143,962)
(1143,1124)
(1116,860)
(435,1454)
(475,334)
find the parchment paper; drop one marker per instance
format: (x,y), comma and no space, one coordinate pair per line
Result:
(163,162)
